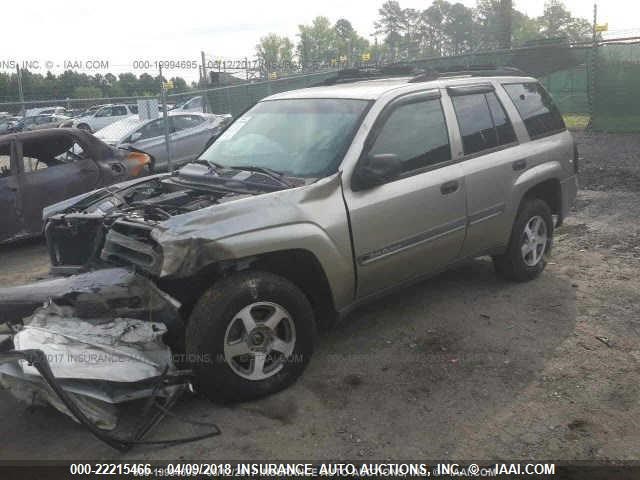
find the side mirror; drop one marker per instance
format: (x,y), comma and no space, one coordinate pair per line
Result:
(378,169)
(135,136)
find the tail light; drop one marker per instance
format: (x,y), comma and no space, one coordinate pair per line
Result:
(137,161)
(576,158)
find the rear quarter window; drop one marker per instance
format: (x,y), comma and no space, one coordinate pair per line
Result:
(536,108)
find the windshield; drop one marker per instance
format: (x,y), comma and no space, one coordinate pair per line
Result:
(297,137)
(117,130)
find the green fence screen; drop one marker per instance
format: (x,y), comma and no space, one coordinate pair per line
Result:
(616,106)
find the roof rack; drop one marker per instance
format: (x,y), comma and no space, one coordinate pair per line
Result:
(350,75)
(371,73)
(472,71)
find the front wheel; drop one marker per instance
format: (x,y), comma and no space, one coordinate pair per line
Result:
(530,243)
(250,335)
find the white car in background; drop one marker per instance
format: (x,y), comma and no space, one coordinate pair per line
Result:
(189,134)
(195,104)
(103,116)
(32,112)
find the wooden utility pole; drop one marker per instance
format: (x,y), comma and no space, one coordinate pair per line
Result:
(23,110)
(204,69)
(505,23)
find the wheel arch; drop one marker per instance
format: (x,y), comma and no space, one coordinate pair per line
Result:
(300,266)
(548,190)
(543,182)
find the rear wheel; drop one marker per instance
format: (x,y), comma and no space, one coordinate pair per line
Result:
(250,335)
(530,243)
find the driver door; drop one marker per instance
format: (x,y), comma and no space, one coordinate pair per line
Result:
(414,223)
(45,181)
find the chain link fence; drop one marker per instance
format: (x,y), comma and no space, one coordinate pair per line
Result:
(596,82)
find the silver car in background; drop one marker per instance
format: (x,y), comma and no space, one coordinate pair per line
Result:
(189,134)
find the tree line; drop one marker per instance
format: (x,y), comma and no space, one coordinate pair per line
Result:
(444,28)
(72,84)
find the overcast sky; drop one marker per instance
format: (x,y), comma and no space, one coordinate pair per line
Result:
(123,31)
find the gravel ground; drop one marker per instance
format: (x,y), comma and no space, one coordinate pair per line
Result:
(461,366)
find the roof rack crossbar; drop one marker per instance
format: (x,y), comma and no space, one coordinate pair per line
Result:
(419,75)
(472,71)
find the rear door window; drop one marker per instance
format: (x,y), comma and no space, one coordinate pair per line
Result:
(504,129)
(483,122)
(539,114)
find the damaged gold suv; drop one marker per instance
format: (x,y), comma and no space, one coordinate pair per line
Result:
(315,201)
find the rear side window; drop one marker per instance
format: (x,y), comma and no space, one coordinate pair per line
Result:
(504,129)
(483,122)
(417,133)
(539,113)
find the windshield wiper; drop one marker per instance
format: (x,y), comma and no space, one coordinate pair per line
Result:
(213,166)
(273,174)
(269,172)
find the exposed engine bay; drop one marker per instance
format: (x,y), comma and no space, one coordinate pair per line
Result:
(114,225)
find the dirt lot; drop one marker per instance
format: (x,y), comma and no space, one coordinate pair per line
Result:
(460,366)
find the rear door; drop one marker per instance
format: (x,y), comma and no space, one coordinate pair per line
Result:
(490,159)
(44,181)
(413,224)
(10,220)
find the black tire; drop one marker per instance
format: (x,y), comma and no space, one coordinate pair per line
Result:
(212,315)
(511,265)
(85,127)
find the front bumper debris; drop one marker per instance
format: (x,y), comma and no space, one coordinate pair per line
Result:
(95,341)
(109,292)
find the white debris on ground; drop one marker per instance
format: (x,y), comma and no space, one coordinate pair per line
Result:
(119,350)
(99,362)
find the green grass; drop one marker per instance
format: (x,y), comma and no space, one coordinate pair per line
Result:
(576,121)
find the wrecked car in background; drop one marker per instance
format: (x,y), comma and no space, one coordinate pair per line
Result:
(189,135)
(308,205)
(44,167)
(38,122)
